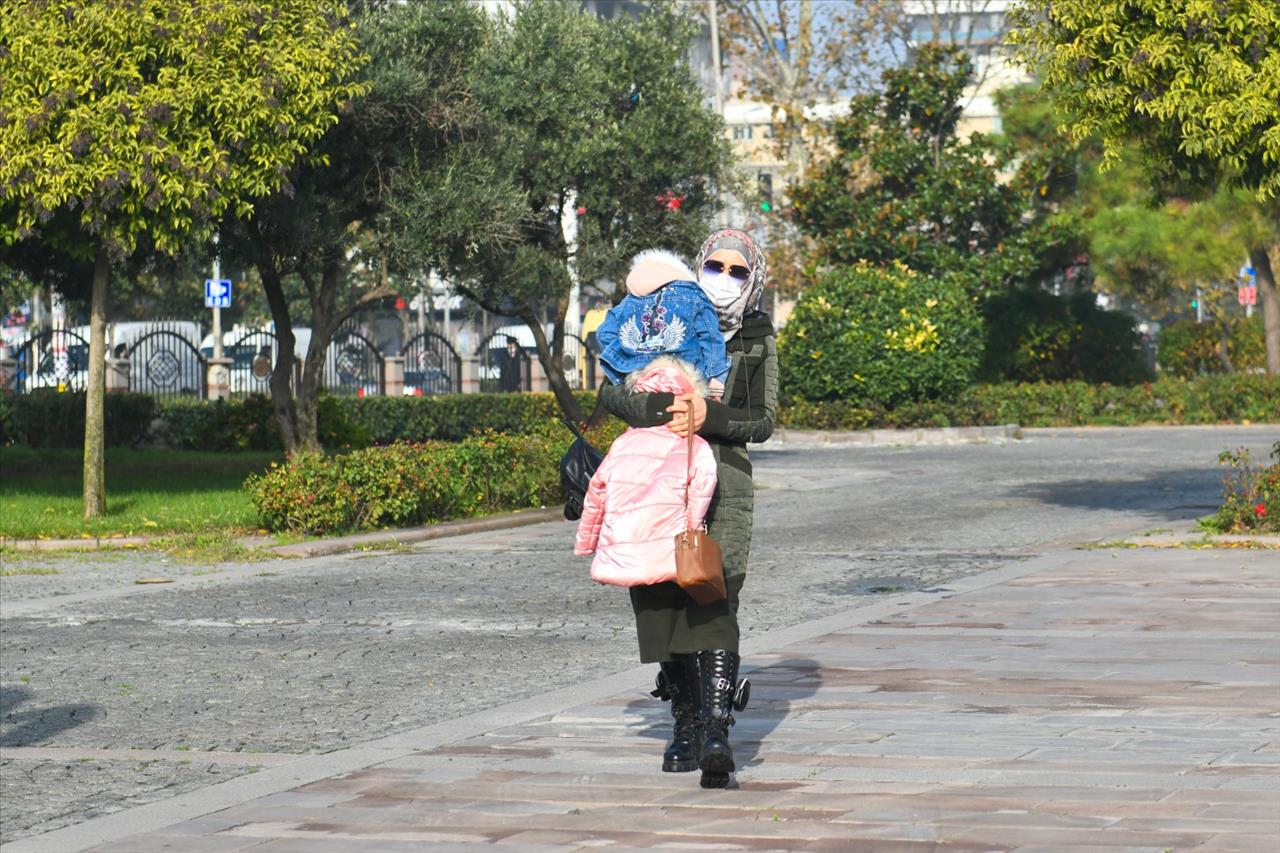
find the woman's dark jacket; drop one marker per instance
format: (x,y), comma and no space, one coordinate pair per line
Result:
(747,414)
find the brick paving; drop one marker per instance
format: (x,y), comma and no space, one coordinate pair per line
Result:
(1094,700)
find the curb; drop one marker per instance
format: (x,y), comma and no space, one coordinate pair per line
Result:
(92,543)
(409,535)
(320,547)
(1190,537)
(894,437)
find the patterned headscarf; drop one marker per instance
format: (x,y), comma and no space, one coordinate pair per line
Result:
(752,288)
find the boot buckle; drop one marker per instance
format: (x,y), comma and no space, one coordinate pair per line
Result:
(741,695)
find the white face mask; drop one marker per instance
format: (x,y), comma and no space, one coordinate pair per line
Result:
(720,288)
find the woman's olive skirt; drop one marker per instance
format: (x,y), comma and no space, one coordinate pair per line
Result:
(669,622)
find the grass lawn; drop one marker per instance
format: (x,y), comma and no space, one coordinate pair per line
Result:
(148,492)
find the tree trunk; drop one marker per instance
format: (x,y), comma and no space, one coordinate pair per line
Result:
(1270,299)
(95,480)
(324,323)
(282,372)
(555,371)
(1224,343)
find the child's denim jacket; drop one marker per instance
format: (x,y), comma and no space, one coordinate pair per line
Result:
(677,319)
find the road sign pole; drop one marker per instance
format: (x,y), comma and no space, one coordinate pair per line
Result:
(217,312)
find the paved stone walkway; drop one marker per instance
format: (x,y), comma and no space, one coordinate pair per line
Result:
(1090,700)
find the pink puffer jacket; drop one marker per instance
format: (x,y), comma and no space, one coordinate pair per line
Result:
(635,506)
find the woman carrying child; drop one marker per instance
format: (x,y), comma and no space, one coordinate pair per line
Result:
(696,645)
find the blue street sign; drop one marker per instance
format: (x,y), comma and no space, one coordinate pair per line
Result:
(1247,276)
(217,294)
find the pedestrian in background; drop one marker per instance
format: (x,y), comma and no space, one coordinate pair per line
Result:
(509,371)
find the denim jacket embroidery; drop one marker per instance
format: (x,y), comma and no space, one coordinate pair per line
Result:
(677,319)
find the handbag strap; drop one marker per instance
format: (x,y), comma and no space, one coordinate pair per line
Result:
(688,470)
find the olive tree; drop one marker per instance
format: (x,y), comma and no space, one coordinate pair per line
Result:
(146,120)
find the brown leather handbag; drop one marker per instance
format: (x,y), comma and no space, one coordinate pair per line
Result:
(699,562)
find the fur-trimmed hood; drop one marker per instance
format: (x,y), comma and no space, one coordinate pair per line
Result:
(667,375)
(653,268)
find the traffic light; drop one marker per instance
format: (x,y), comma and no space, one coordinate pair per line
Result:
(764,184)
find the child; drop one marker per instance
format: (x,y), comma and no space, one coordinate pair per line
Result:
(664,312)
(635,506)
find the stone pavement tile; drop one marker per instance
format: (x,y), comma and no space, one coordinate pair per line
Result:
(1209,825)
(1222,796)
(1090,848)
(351,845)
(1070,839)
(1240,842)
(165,843)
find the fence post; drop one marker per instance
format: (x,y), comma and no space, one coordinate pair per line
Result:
(8,371)
(218,379)
(118,370)
(470,375)
(537,376)
(393,376)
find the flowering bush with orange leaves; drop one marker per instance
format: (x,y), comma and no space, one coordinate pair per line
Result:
(1250,494)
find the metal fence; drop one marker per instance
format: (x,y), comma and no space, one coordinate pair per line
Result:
(165,363)
(353,365)
(431,365)
(57,358)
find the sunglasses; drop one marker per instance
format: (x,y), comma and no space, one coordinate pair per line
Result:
(737,271)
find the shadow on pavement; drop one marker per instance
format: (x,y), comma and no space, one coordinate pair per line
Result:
(773,689)
(1182,493)
(33,727)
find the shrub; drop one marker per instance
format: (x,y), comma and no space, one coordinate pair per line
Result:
(1188,348)
(1207,400)
(1034,336)
(451,417)
(217,425)
(248,423)
(47,418)
(880,336)
(1250,494)
(413,483)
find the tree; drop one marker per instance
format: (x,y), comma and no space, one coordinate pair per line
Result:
(1160,253)
(800,57)
(599,121)
(901,186)
(398,177)
(1193,86)
(124,120)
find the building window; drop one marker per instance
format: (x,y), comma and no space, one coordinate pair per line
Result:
(742,131)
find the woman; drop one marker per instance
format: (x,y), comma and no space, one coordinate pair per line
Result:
(696,645)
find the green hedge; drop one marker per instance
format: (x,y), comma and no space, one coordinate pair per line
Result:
(405,484)
(47,418)
(1207,400)
(1188,348)
(1034,336)
(57,420)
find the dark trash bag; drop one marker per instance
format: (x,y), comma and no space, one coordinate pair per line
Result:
(576,467)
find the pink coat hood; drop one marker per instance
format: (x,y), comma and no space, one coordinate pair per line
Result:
(634,508)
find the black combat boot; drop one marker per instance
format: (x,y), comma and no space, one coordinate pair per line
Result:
(681,755)
(718,694)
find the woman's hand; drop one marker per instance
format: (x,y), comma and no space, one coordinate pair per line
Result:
(679,423)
